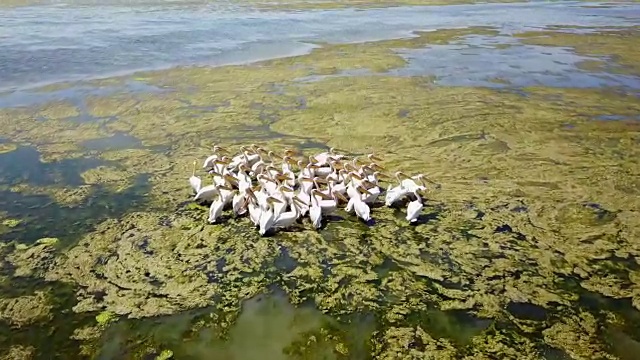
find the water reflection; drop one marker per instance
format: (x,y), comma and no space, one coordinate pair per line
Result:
(479,61)
(267,328)
(23,166)
(72,93)
(42,216)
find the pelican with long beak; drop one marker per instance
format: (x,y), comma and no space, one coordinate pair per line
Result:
(286,219)
(209,192)
(208,162)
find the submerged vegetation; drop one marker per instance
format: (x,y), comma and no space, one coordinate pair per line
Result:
(528,250)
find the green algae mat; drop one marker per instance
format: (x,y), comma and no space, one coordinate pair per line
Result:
(530,248)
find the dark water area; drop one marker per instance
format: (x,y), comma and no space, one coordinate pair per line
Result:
(42,216)
(23,166)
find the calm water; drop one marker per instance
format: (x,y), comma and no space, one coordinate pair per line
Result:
(68,41)
(61,42)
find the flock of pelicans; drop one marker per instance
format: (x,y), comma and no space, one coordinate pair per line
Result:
(276,191)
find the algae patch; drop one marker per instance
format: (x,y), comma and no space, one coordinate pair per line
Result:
(25,310)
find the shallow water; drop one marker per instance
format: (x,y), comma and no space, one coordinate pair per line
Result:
(481,61)
(69,42)
(87,40)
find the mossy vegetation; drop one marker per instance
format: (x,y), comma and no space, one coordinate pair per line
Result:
(532,216)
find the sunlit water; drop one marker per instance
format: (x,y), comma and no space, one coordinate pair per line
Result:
(45,44)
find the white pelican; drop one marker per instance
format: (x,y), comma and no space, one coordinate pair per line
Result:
(362,209)
(267,217)
(208,193)
(208,162)
(325,157)
(410,182)
(414,208)
(253,207)
(194,181)
(215,210)
(287,219)
(239,202)
(315,211)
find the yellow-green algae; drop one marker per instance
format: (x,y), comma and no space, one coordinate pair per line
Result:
(7,147)
(25,310)
(526,204)
(18,352)
(11,223)
(105,318)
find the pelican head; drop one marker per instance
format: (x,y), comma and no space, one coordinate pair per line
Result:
(401,176)
(373,158)
(220,149)
(273,155)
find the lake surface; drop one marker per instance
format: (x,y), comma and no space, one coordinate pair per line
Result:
(47,44)
(529,241)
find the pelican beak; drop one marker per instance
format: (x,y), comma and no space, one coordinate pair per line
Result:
(377,167)
(273,200)
(225,188)
(295,200)
(363,190)
(306,179)
(323,196)
(340,196)
(286,188)
(214,173)
(223,150)
(290,161)
(368,183)
(230,178)
(320,181)
(252,195)
(312,159)
(383,176)
(375,158)
(401,175)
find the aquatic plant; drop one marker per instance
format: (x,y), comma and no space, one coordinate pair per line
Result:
(527,249)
